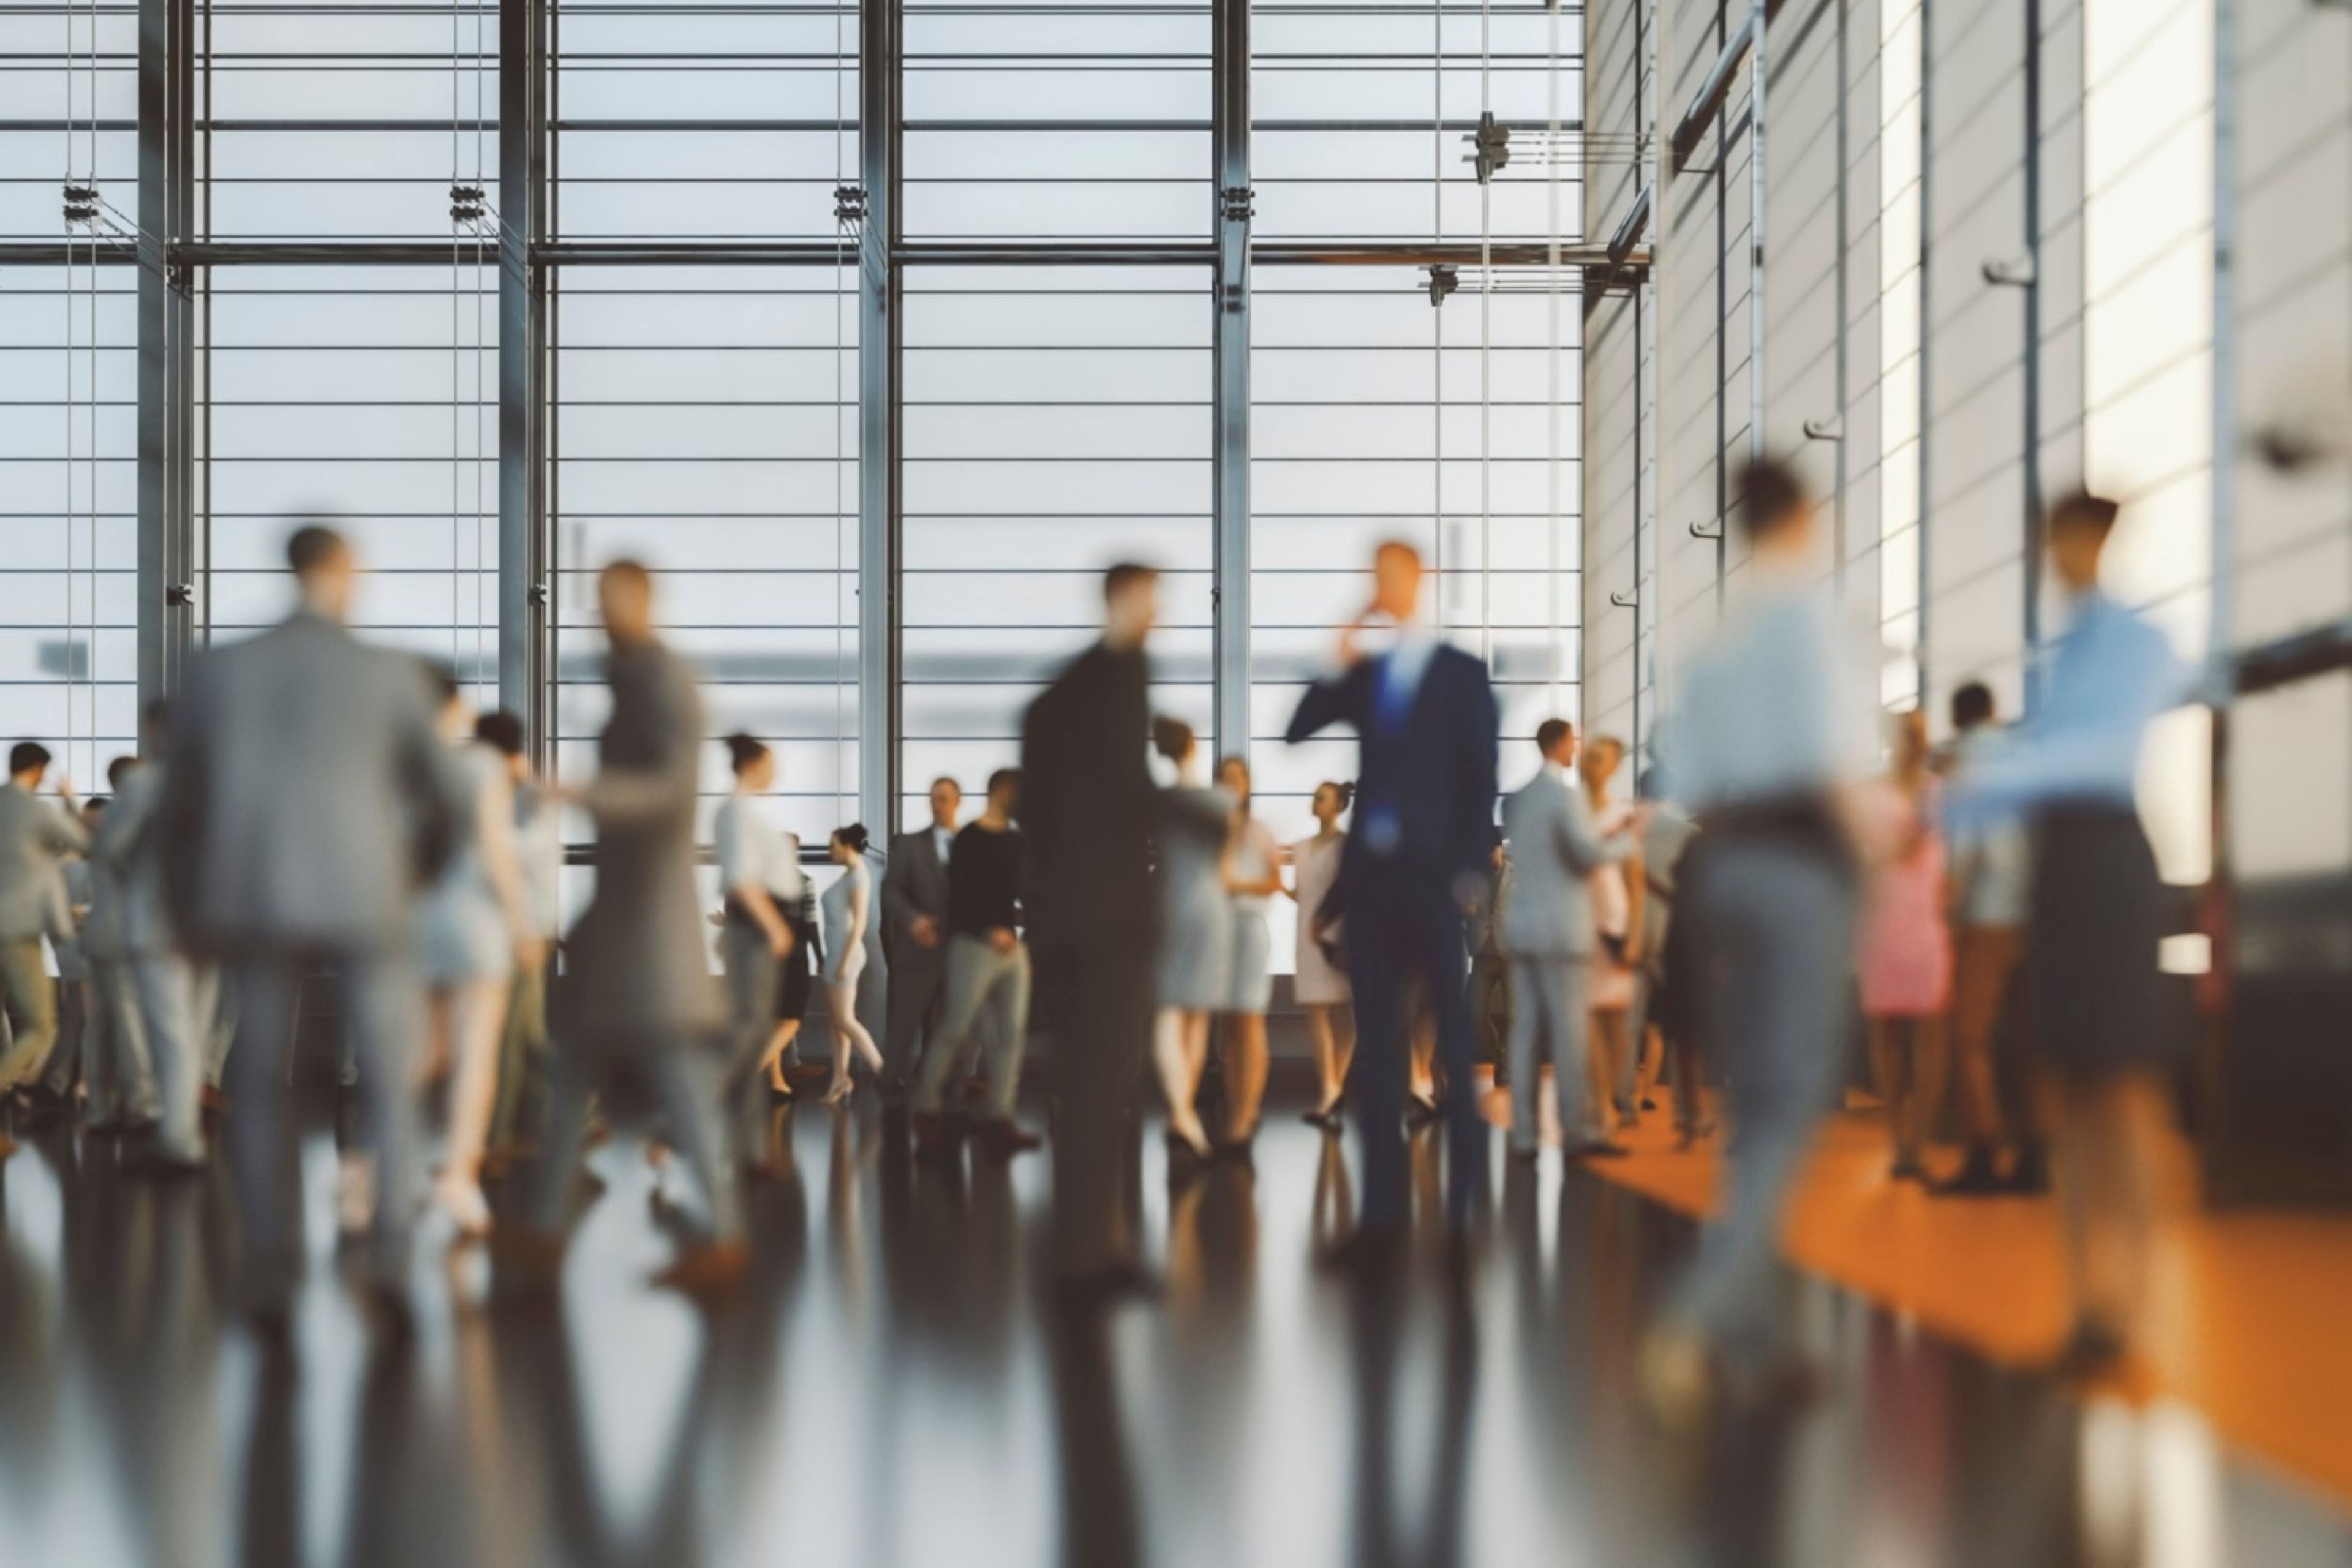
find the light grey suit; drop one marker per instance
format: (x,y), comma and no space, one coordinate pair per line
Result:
(1546,928)
(915,886)
(32,834)
(307,805)
(173,997)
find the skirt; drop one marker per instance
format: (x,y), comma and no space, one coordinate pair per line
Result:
(795,975)
(1251,981)
(2094,994)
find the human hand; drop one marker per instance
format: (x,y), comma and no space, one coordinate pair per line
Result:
(924,930)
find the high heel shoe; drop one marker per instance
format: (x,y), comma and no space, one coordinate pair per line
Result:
(463,1202)
(838,1093)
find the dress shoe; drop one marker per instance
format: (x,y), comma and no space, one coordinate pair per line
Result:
(1004,1138)
(1370,1257)
(156,1165)
(1978,1177)
(707,1272)
(2031,1177)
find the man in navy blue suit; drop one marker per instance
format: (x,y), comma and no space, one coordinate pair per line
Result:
(1416,858)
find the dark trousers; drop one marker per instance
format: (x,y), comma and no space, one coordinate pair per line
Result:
(1101,1011)
(1401,925)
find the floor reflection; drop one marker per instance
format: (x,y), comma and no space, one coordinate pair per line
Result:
(899,1384)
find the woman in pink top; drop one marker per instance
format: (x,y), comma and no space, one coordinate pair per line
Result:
(1905,947)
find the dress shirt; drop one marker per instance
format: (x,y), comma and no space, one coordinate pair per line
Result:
(943,844)
(752,851)
(2107,679)
(1773,707)
(1401,668)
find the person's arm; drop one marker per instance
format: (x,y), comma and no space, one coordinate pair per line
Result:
(1637,898)
(899,913)
(179,812)
(61,830)
(1584,849)
(861,890)
(1331,701)
(1264,887)
(494,826)
(123,826)
(1479,743)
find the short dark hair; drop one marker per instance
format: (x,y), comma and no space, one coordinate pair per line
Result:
(443,676)
(27,755)
(116,771)
(1551,732)
(949,780)
(501,731)
(743,750)
(1972,705)
(1002,777)
(1771,496)
(1172,738)
(312,546)
(2080,509)
(94,805)
(1124,575)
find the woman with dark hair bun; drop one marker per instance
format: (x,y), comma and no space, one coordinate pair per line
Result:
(848,912)
(764,939)
(1196,956)
(1320,983)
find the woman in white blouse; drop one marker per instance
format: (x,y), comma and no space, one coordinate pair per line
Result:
(759,866)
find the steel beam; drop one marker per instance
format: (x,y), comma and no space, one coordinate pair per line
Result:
(1712,91)
(879,290)
(154,354)
(523,590)
(1229,74)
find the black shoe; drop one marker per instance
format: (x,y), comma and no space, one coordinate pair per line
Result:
(1420,1113)
(1907,1168)
(1002,1140)
(2031,1177)
(2093,1349)
(1111,1283)
(1369,1256)
(158,1165)
(1234,1151)
(1979,1178)
(1525,1153)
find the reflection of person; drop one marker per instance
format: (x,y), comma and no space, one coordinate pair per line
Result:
(988,973)
(306,805)
(1320,985)
(1547,930)
(2091,983)
(1087,814)
(847,910)
(759,945)
(1252,873)
(33,834)
(914,932)
(1772,724)
(639,1000)
(1904,950)
(1427,722)
(1196,957)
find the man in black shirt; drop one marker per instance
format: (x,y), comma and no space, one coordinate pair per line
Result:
(988,967)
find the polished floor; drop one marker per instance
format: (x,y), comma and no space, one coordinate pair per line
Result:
(898,1386)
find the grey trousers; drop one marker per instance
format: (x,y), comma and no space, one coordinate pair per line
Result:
(30,996)
(754,981)
(919,988)
(171,1011)
(1776,926)
(77,1027)
(1551,997)
(117,1062)
(979,978)
(688,1075)
(384,1006)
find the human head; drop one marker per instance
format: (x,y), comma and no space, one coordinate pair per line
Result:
(1172,739)
(325,571)
(1130,604)
(847,844)
(1972,705)
(1332,800)
(1004,792)
(1234,774)
(1600,759)
(2078,530)
(624,598)
(94,809)
(1396,580)
(501,731)
(1775,509)
(27,761)
(450,697)
(754,764)
(153,718)
(117,770)
(946,800)
(1556,740)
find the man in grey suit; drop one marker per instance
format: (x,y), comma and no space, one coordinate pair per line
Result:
(638,1000)
(307,805)
(914,930)
(1548,932)
(33,834)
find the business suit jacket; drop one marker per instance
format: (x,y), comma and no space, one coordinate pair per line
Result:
(128,855)
(1554,851)
(32,834)
(1436,767)
(1087,807)
(308,798)
(637,965)
(914,885)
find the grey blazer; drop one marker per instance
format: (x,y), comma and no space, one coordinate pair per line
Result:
(32,834)
(128,856)
(636,963)
(1553,851)
(914,884)
(308,797)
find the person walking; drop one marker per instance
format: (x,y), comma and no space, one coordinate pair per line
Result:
(1547,932)
(518,1115)
(1319,986)
(1427,724)
(76,891)
(761,945)
(1619,892)
(1196,962)
(1252,873)
(306,805)
(34,836)
(1904,950)
(1087,812)
(988,976)
(639,1000)
(1770,726)
(2098,1025)
(914,933)
(847,910)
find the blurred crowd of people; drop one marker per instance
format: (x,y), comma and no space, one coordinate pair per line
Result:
(1988,914)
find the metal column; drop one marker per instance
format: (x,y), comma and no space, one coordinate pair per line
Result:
(164,349)
(878,501)
(1231,336)
(2033,303)
(523,590)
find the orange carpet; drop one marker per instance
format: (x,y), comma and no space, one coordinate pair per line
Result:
(2250,1324)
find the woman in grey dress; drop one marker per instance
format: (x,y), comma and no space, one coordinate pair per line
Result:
(1320,984)
(847,908)
(1252,874)
(758,867)
(1196,955)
